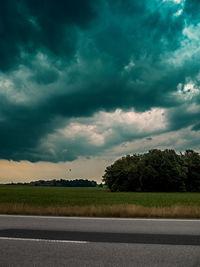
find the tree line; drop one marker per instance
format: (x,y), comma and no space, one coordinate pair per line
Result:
(155,171)
(61,182)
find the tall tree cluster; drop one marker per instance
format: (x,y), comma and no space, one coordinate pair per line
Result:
(155,171)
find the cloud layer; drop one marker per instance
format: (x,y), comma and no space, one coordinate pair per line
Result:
(83,78)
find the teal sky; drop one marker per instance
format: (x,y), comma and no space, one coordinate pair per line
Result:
(84,82)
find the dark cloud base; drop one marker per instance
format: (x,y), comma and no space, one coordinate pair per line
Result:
(96,55)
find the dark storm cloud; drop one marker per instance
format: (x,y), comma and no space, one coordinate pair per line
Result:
(68,59)
(20,130)
(44,76)
(29,26)
(181,117)
(192,8)
(196,127)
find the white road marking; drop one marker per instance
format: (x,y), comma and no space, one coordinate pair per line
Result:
(43,240)
(101,218)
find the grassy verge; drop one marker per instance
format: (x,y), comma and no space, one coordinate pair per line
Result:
(126,210)
(96,202)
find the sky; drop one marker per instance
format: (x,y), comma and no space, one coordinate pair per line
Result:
(84,82)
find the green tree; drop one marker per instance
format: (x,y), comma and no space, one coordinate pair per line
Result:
(121,176)
(156,171)
(192,163)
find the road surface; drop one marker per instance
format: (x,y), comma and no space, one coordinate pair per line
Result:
(75,241)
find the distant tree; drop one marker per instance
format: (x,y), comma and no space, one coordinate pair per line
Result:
(158,171)
(63,183)
(164,171)
(122,175)
(192,163)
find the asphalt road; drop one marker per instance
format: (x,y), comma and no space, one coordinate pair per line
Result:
(70,241)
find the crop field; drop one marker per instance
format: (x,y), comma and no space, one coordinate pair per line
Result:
(65,196)
(96,202)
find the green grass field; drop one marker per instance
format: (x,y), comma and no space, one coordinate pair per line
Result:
(62,196)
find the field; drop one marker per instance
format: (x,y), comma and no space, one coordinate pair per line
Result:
(96,202)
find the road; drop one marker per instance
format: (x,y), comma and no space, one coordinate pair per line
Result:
(75,241)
